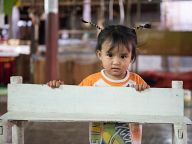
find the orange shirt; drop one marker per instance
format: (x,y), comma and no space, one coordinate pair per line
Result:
(100,79)
(117,133)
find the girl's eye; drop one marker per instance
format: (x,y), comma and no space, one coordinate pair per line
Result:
(109,54)
(123,56)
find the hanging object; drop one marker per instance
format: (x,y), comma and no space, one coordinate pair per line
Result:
(98,27)
(87,10)
(15,19)
(121,11)
(2,20)
(111,10)
(101,17)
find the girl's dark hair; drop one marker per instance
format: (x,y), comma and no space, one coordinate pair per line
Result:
(118,34)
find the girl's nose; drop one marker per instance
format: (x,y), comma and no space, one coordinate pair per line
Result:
(116,60)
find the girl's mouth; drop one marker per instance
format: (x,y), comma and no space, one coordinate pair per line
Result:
(115,68)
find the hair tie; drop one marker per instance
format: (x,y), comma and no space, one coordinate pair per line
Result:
(98,27)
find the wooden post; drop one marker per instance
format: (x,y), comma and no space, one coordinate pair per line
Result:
(1,132)
(51,10)
(7,133)
(7,125)
(177,84)
(18,132)
(16,80)
(180,134)
(179,129)
(11,130)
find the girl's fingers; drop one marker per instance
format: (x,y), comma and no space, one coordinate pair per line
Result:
(144,86)
(137,87)
(61,82)
(50,83)
(141,87)
(55,83)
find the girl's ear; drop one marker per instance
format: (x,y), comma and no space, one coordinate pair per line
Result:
(98,54)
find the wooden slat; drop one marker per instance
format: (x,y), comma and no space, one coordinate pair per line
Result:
(94,100)
(60,117)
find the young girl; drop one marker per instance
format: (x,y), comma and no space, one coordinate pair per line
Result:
(116,48)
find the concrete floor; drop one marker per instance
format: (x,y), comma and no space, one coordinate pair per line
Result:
(77,133)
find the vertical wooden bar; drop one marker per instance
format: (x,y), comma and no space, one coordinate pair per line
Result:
(7,125)
(1,132)
(179,134)
(16,80)
(7,133)
(177,84)
(16,127)
(18,133)
(128,13)
(51,10)
(138,13)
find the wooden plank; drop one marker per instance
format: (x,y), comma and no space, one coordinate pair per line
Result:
(60,117)
(98,100)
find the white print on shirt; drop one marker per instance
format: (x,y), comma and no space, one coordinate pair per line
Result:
(124,133)
(130,83)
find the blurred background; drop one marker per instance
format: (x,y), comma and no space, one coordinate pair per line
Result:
(42,40)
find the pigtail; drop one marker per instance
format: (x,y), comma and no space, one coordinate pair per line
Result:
(98,27)
(145,26)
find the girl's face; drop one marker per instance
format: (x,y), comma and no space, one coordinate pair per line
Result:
(115,61)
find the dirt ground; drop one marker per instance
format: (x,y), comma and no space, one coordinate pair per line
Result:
(56,133)
(77,133)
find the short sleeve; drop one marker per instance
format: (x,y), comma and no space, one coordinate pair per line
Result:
(86,82)
(135,77)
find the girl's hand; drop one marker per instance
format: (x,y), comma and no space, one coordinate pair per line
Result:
(55,83)
(141,87)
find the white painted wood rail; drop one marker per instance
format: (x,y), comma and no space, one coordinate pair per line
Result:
(31,102)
